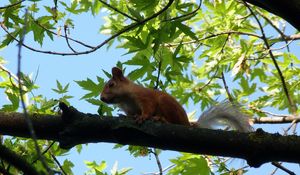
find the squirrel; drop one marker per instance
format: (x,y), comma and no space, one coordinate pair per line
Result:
(145,103)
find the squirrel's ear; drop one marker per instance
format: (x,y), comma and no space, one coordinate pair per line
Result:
(117,73)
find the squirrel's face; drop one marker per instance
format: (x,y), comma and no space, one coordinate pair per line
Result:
(114,89)
(110,91)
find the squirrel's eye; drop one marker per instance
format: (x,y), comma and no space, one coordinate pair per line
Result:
(111,84)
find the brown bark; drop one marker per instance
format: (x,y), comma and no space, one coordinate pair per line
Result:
(74,128)
(288,10)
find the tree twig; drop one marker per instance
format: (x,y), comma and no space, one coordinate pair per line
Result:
(17,161)
(58,163)
(216,35)
(8,72)
(124,30)
(187,14)
(158,75)
(154,152)
(226,88)
(283,36)
(276,119)
(278,165)
(67,40)
(293,107)
(54,33)
(209,81)
(157,173)
(44,152)
(117,10)
(19,75)
(11,5)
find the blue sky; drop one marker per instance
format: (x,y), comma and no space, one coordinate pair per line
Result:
(66,69)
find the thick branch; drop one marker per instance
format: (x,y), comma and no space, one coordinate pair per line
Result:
(288,10)
(74,128)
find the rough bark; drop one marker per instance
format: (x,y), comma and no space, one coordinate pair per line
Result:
(74,128)
(288,10)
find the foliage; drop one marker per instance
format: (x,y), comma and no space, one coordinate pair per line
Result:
(200,52)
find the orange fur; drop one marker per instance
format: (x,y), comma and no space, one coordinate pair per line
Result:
(140,102)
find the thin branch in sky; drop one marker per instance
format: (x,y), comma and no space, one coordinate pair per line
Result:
(120,32)
(158,74)
(67,39)
(279,166)
(59,165)
(292,105)
(186,15)
(118,11)
(19,75)
(155,153)
(54,33)
(11,5)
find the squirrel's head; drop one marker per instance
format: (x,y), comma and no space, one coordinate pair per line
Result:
(114,89)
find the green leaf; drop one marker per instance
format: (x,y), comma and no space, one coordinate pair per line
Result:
(186,30)
(60,89)
(134,75)
(93,88)
(67,166)
(135,13)
(14,99)
(189,164)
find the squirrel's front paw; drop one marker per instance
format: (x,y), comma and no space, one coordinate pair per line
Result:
(140,119)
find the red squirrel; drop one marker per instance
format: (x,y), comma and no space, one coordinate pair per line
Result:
(145,103)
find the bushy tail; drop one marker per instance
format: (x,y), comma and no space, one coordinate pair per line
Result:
(225,114)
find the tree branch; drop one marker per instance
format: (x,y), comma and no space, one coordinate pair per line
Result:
(292,105)
(120,32)
(275,119)
(12,5)
(73,128)
(17,161)
(22,92)
(67,39)
(286,10)
(54,33)
(118,11)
